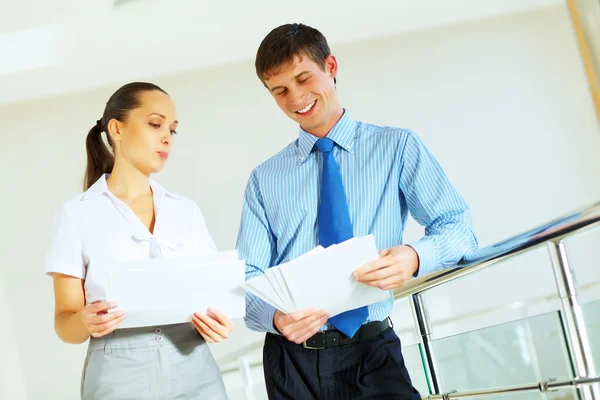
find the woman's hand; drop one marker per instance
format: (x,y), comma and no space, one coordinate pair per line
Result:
(213,326)
(98,321)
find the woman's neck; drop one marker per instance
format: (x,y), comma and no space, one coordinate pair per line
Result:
(128,182)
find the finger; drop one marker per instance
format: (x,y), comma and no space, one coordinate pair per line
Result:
(107,328)
(372,266)
(314,329)
(290,323)
(300,315)
(308,331)
(393,282)
(205,329)
(219,316)
(97,319)
(213,329)
(384,252)
(201,331)
(106,325)
(315,316)
(214,325)
(101,306)
(300,328)
(307,336)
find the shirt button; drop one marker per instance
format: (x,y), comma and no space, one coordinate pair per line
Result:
(158,331)
(159,339)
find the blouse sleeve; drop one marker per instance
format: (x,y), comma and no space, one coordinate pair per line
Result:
(65,255)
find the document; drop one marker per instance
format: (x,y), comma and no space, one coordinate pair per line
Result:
(170,290)
(322,279)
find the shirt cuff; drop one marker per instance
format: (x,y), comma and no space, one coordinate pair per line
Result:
(427,256)
(267,318)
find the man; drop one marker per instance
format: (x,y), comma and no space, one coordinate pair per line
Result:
(340,178)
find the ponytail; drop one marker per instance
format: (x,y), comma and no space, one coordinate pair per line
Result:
(99,159)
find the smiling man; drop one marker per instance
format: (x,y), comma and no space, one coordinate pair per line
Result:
(341,178)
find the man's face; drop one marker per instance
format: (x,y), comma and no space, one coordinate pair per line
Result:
(306,93)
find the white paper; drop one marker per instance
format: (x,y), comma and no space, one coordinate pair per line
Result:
(262,288)
(170,290)
(282,293)
(322,279)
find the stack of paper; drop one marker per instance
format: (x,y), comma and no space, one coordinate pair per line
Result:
(321,279)
(170,290)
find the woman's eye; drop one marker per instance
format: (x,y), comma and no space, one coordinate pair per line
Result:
(173,132)
(154,125)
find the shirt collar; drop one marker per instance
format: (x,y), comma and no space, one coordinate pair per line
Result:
(100,187)
(342,133)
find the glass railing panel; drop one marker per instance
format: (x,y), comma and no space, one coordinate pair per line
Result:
(591,314)
(520,352)
(583,253)
(404,322)
(414,365)
(519,287)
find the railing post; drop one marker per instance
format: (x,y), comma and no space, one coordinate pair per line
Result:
(577,337)
(424,328)
(244,366)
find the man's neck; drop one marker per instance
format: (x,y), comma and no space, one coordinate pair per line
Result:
(323,130)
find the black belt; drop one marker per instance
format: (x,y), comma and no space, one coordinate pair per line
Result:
(334,338)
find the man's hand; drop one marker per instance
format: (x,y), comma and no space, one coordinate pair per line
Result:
(394,267)
(301,325)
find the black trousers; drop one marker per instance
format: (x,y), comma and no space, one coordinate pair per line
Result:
(372,369)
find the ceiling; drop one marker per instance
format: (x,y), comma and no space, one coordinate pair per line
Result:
(73,45)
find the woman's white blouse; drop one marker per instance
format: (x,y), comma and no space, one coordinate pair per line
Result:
(95,229)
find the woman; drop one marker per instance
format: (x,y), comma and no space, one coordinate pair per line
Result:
(124,215)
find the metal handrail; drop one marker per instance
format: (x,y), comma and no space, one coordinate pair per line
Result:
(554,231)
(538,387)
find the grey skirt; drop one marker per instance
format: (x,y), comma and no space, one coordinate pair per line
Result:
(157,363)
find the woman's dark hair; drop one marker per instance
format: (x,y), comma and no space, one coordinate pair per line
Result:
(100,159)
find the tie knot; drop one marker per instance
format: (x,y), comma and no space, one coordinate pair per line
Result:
(325,145)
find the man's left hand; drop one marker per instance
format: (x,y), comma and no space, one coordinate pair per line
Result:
(394,267)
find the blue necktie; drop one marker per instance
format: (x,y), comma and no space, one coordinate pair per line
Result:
(335,226)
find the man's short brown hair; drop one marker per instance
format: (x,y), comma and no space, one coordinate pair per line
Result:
(283,43)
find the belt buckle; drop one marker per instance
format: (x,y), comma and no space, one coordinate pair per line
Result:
(306,346)
(313,348)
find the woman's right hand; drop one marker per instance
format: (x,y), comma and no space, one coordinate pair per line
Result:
(98,321)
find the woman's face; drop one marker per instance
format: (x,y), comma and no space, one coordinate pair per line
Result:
(145,138)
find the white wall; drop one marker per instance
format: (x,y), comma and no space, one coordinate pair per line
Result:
(11,374)
(503,103)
